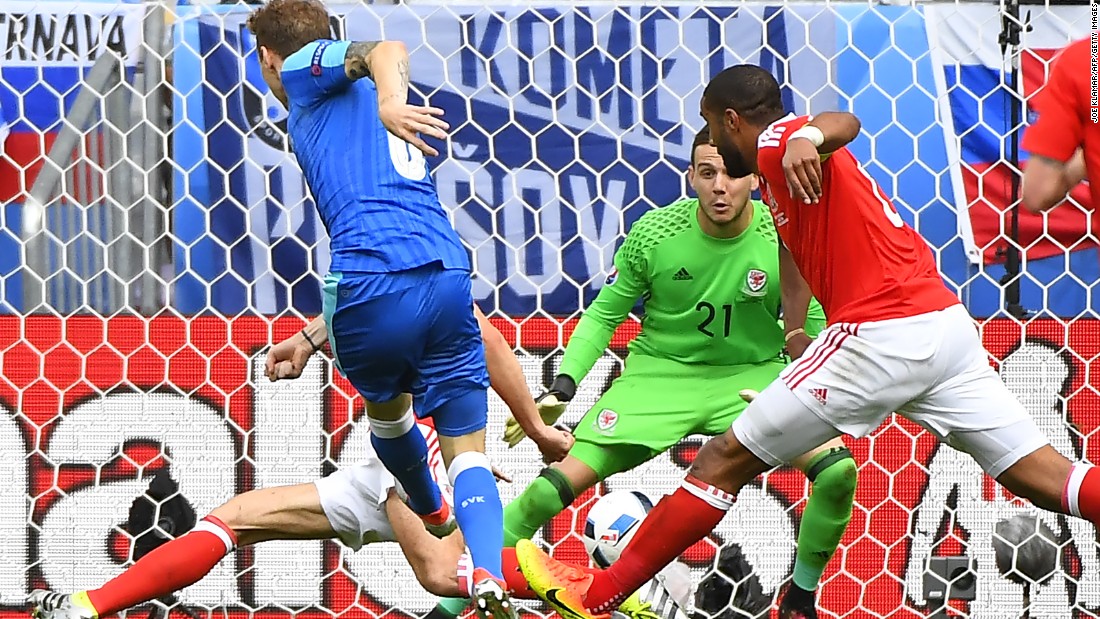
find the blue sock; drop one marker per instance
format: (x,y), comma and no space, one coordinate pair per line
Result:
(478,510)
(404,452)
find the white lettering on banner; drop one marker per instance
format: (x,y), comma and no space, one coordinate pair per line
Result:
(203,458)
(13,510)
(528,224)
(457,183)
(532,262)
(598,240)
(287,443)
(1036,373)
(67,33)
(594,60)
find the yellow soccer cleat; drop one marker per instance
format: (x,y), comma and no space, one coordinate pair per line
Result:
(561,586)
(635,608)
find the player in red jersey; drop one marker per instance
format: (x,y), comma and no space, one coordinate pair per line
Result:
(1064,142)
(899,340)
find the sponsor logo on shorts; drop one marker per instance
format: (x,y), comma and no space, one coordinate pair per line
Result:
(612,277)
(756,282)
(821,395)
(606,420)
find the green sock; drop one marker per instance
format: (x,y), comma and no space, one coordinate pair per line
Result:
(545,498)
(833,475)
(449,608)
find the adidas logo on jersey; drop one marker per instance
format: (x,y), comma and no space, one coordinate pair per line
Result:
(682,275)
(821,395)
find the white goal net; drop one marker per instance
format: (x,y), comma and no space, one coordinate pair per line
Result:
(156,234)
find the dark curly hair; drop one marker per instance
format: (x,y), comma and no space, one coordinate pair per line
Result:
(749,90)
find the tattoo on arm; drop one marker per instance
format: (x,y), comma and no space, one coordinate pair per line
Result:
(356,65)
(403,71)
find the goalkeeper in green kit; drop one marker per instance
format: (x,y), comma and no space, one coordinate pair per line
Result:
(708,271)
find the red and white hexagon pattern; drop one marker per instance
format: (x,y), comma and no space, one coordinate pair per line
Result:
(93,407)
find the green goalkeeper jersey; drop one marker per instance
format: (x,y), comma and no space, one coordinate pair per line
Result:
(707,300)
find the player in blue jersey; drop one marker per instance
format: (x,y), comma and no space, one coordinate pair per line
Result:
(397,304)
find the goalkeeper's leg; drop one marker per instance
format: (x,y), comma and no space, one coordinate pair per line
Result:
(559,485)
(288,512)
(832,473)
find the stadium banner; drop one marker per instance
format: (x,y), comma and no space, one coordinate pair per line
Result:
(95,407)
(48,47)
(977,100)
(567,125)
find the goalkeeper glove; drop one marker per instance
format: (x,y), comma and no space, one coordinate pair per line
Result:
(551,405)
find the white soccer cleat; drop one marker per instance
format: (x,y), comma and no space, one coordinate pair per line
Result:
(50,605)
(491,598)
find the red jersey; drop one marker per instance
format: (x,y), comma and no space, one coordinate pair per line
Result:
(1068,114)
(862,262)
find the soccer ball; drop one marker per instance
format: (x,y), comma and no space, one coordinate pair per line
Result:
(611,523)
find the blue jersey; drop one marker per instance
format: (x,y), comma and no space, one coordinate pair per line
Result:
(373,190)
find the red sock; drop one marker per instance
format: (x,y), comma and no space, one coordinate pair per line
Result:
(1081,496)
(678,521)
(513,576)
(171,567)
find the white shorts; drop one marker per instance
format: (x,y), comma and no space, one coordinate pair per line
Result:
(354,497)
(930,368)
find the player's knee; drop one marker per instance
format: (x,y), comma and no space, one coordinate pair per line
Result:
(834,477)
(726,463)
(243,513)
(1039,477)
(234,513)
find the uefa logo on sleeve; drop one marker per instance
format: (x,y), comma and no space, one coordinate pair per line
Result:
(612,276)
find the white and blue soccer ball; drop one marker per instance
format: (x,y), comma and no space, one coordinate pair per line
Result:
(612,522)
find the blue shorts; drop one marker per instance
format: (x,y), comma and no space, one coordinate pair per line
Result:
(411,332)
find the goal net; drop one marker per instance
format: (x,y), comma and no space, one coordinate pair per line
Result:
(156,235)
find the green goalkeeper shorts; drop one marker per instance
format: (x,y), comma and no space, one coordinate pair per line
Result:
(657,402)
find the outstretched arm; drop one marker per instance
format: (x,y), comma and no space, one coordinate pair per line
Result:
(810,145)
(387,63)
(628,282)
(506,378)
(624,285)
